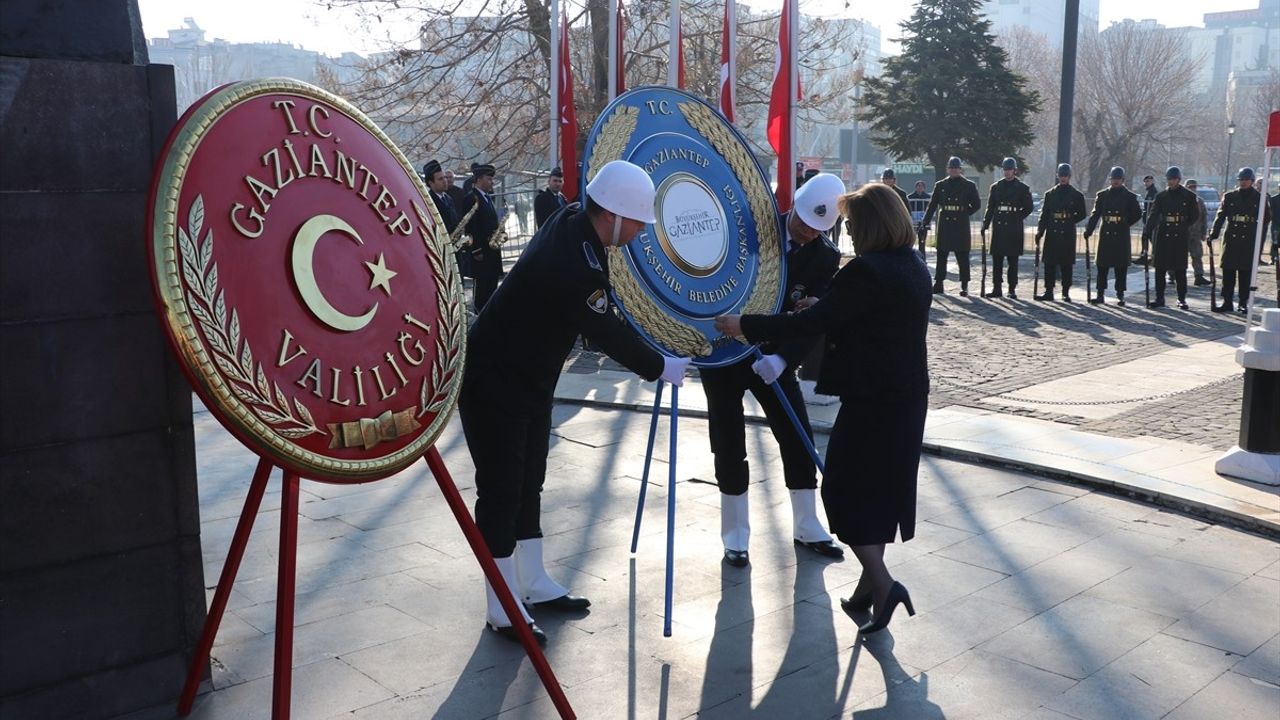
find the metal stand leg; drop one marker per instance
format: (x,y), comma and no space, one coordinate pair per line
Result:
(648,459)
(282,679)
(230,567)
(795,421)
(481,551)
(671,512)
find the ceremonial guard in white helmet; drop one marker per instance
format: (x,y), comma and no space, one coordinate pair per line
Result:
(811,262)
(558,289)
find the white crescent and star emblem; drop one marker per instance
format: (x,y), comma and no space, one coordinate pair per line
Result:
(303,261)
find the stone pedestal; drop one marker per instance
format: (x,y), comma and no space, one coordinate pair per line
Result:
(101,581)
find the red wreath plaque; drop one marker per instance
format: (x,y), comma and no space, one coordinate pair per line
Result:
(304,280)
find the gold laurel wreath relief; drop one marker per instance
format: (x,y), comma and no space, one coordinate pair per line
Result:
(679,337)
(450,340)
(231,352)
(764,297)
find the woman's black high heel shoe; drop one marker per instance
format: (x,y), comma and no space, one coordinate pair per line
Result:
(897,594)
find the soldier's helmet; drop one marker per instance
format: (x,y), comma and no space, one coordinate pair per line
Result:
(1117,173)
(1064,170)
(1173,173)
(887,174)
(1009,164)
(624,189)
(1246,173)
(816,201)
(954,162)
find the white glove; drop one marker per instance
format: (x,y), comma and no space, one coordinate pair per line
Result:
(769,367)
(673,369)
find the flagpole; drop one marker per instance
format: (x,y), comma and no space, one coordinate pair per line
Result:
(673,52)
(554,148)
(613,49)
(793,30)
(732,8)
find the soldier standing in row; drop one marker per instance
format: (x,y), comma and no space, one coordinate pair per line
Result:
(889,178)
(1196,234)
(916,203)
(1239,210)
(486,262)
(1063,207)
(1008,204)
(954,199)
(1169,219)
(550,199)
(1118,209)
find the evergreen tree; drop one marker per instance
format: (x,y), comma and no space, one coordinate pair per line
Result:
(950,92)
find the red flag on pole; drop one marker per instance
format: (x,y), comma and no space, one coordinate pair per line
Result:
(728,66)
(621,65)
(568,117)
(779,119)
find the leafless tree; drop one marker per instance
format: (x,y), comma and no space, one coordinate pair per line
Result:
(1136,103)
(1036,58)
(476,85)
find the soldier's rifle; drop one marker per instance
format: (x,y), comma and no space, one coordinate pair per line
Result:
(1088,279)
(1035,286)
(1213,277)
(982,292)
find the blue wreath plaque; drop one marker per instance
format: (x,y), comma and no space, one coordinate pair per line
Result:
(717,245)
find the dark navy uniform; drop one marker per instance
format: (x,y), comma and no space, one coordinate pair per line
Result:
(545,205)
(1008,205)
(810,268)
(954,200)
(516,349)
(1169,220)
(486,263)
(1117,209)
(1239,211)
(1063,207)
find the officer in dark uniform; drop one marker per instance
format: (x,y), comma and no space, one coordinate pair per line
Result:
(1063,207)
(1148,197)
(1008,204)
(1169,220)
(486,262)
(549,199)
(955,198)
(434,178)
(888,177)
(1117,209)
(917,202)
(811,262)
(1239,210)
(559,288)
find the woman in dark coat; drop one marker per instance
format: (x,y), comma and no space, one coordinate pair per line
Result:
(875,317)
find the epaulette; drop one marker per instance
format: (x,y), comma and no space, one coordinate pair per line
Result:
(590,253)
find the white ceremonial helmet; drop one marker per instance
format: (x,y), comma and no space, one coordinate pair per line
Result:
(624,189)
(816,201)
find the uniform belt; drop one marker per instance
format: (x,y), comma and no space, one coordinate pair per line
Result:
(953,208)
(1173,218)
(1006,208)
(1112,219)
(1243,218)
(1061,216)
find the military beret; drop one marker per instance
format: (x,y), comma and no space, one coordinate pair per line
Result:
(482,169)
(888,174)
(1246,173)
(1173,172)
(954,162)
(1064,170)
(1117,173)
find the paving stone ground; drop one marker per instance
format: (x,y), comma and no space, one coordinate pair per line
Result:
(1034,599)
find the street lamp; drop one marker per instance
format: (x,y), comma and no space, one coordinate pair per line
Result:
(1226,173)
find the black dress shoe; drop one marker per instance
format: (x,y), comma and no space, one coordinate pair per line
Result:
(897,595)
(1202,280)
(736,558)
(937,290)
(1225,307)
(995,294)
(1099,300)
(1182,305)
(1012,295)
(510,633)
(1120,301)
(1158,303)
(564,603)
(1066,298)
(1045,297)
(825,548)
(964,292)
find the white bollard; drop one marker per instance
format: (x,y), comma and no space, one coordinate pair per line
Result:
(1257,457)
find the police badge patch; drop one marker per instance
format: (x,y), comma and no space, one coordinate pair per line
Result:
(598,302)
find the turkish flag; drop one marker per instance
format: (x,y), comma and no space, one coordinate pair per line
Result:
(727,80)
(779,122)
(568,117)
